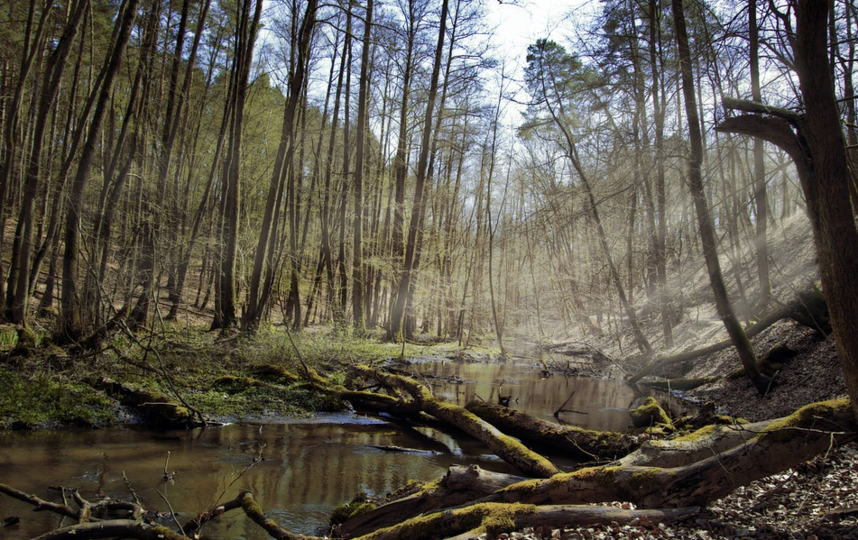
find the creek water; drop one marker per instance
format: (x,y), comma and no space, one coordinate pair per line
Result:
(308,466)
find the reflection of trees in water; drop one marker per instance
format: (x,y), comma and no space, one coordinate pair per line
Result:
(306,470)
(604,401)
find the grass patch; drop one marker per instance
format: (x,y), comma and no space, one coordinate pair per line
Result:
(48,401)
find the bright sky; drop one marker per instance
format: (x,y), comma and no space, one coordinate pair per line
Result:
(520,23)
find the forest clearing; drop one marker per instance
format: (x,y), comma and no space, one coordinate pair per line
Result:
(370,269)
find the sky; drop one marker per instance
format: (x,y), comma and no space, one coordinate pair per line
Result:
(520,23)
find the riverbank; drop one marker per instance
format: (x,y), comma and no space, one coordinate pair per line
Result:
(225,379)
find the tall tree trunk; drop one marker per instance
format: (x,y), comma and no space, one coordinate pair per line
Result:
(400,164)
(704,222)
(760,193)
(397,314)
(72,308)
(358,287)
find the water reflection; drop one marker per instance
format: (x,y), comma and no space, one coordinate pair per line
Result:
(307,469)
(594,404)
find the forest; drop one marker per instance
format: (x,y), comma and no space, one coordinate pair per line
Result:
(199,194)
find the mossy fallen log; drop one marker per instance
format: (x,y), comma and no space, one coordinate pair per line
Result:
(507,448)
(547,436)
(155,409)
(496,519)
(780,445)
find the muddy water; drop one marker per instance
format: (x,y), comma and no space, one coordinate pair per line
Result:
(307,467)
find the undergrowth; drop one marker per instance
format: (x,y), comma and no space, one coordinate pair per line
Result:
(43,386)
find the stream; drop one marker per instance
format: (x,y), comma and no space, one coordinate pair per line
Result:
(308,466)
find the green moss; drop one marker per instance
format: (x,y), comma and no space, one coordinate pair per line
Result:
(346,511)
(601,475)
(806,417)
(705,431)
(649,413)
(46,401)
(524,487)
(275,373)
(644,480)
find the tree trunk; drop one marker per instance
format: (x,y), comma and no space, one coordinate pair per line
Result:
(358,277)
(72,308)
(704,222)
(760,194)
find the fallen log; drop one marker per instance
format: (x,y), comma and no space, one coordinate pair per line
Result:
(504,446)
(459,486)
(547,436)
(497,518)
(681,383)
(114,528)
(782,444)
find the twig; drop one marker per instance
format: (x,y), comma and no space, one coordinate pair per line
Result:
(560,409)
(131,489)
(167,475)
(300,358)
(40,504)
(172,513)
(253,462)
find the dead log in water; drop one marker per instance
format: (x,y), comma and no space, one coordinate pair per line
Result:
(504,446)
(547,436)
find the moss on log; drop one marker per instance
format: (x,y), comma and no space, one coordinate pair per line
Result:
(648,414)
(547,436)
(507,448)
(782,444)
